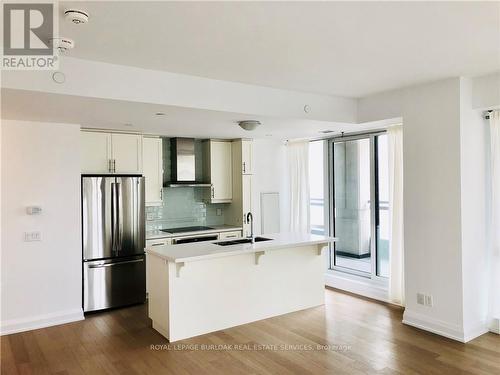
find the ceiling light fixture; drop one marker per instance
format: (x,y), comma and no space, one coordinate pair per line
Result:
(249,124)
(159,114)
(326,131)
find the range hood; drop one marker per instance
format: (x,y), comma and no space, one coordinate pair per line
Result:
(183,164)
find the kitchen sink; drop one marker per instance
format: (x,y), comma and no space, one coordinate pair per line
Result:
(241,240)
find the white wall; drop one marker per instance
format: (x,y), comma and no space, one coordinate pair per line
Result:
(268,176)
(474,143)
(40,281)
(444,202)
(486,91)
(431,133)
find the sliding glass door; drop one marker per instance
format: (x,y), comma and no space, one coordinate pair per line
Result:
(359,204)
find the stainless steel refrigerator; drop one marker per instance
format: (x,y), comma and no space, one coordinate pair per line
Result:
(113,225)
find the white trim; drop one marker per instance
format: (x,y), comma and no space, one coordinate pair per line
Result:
(479,330)
(495,326)
(357,284)
(439,327)
(41,321)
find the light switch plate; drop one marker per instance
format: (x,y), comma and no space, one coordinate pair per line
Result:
(34,210)
(421,298)
(32,236)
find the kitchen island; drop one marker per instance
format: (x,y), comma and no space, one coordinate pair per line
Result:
(199,288)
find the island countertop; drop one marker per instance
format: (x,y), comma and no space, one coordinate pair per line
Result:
(206,250)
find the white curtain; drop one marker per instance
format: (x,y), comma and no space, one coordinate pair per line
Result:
(396,253)
(298,181)
(495,212)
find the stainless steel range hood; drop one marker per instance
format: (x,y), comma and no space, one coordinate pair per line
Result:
(184,164)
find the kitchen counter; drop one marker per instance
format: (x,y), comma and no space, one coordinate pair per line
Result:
(156,234)
(206,250)
(197,288)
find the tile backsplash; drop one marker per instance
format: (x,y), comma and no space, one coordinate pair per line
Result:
(183,206)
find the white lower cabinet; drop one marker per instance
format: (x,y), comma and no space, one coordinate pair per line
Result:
(228,235)
(159,242)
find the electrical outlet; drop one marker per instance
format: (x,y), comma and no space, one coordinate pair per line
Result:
(32,236)
(421,298)
(218,212)
(428,301)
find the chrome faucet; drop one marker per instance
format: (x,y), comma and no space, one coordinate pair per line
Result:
(250,220)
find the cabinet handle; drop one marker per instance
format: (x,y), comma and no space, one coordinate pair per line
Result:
(110,169)
(114,165)
(161,194)
(213,192)
(244,167)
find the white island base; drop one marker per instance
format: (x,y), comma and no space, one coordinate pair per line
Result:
(200,288)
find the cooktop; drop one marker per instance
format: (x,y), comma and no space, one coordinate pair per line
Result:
(186,229)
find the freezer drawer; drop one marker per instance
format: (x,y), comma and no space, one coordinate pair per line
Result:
(114,283)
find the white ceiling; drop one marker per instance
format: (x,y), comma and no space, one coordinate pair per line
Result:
(344,48)
(187,122)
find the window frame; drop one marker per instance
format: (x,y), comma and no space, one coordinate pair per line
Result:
(330,191)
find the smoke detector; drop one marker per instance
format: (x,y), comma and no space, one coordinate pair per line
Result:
(76,16)
(62,44)
(249,124)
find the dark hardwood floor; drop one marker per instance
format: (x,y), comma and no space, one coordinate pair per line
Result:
(349,335)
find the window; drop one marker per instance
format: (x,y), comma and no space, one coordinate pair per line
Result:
(316,187)
(359,204)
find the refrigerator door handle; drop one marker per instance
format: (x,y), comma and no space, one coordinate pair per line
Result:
(114,217)
(119,226)
(115,263)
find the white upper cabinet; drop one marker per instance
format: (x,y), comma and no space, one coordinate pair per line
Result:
(246,156)
(126,153)
(152,159)
(103,152)
(95,152)
(246,193)
(218,165)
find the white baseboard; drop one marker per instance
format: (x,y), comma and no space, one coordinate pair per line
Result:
(495,326)
(41,321)
(356,285)
(438,327)
(479,330)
